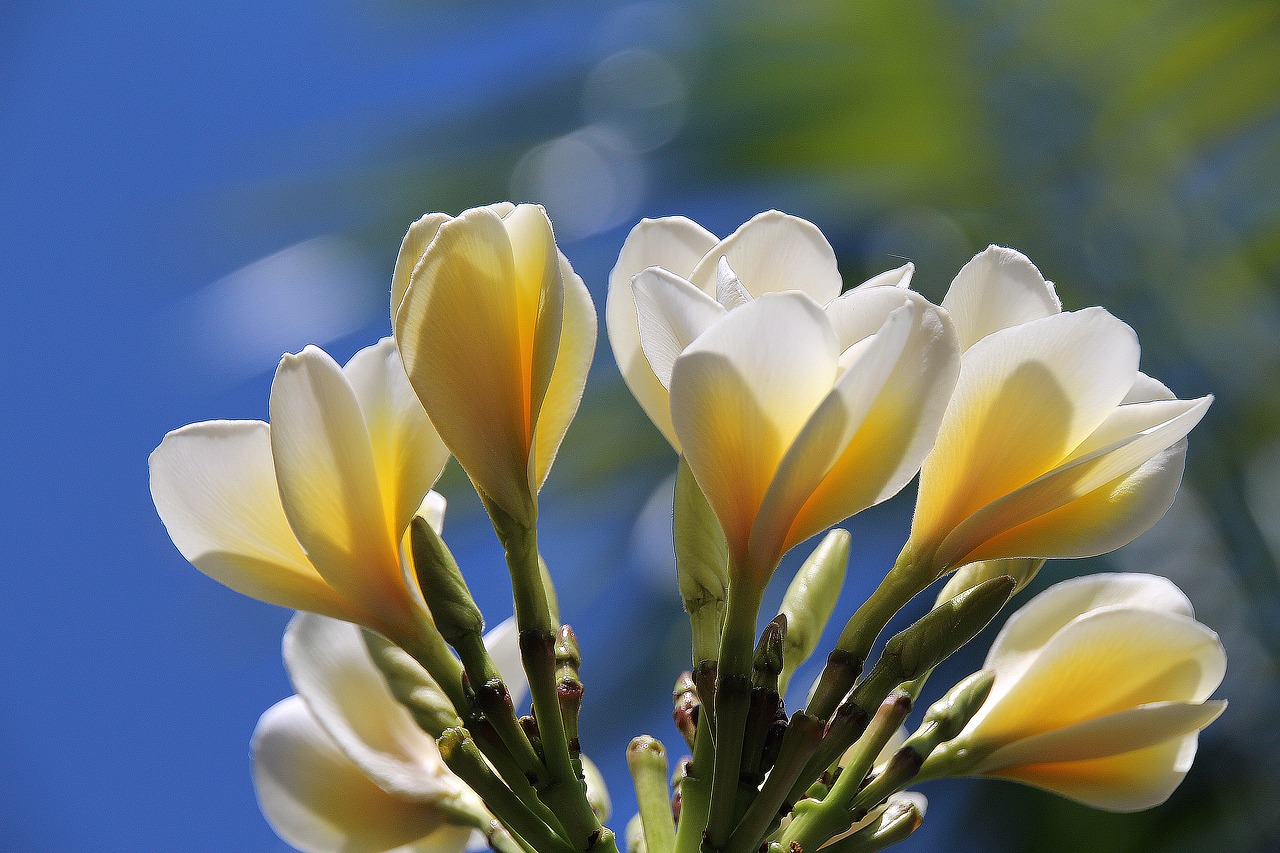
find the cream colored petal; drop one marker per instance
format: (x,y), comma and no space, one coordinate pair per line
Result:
(1112,734)
(898,431)
(407,450)
(859,313)
(1033,625)
(541,291)
(1145,389)
(824,439)
(432,509)
(214,486)
(900,277)
(998,289)
(329,483)
(671,312)
(741,393)
(774,252)
(729,290)
(1092,503)
(1025,398)
(675,244)
(1103,662)
(1131,782)
(503,643)
(316,799)
(462,337)
(412,248)
(330,668)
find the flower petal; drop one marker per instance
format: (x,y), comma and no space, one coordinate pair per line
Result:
(1112,734)
(214,486)
(1094,503)
(729,290)
(671,312)
(577,345)
(1025,398)
(329,483)
(412,248)
(407,451)
(1102,662)
(998,289)
(773,252)
(1031,626)
(467,351)
(900,277)
(676,244)
(1130,782)
(332,671)
(740,394)
(503,644)
(318,801)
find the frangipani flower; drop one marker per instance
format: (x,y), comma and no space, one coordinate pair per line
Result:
(497,334)
(1053,444)
(793,417)
(310,511)
(1100,690)
(771,252)
(343,768)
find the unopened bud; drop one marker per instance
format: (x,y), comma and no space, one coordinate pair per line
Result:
(811,599)
(452,607)
(1021,569)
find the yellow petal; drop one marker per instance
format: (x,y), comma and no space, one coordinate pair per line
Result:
(741,393)
(1025,398)
(329,484)
(569,376)
(214,486)
(316,799)
(407,451)
(1095,501)
(1103,662)
(676,244)
(415,244)
(1129,782)
(466,347)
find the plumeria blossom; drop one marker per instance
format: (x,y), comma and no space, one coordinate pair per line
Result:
(1053,444)
(1101,687)
(310,511)
(793,413)
(342,767)
(497,333)
(771,252)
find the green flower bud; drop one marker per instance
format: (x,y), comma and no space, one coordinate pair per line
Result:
(811,599)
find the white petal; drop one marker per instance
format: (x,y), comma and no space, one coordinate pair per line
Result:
(432,510)
(412,248)
(774,252)
(1111,734)
(407,450)
(214,486)
(330,668)
(861,312)
(1026,397)
(1031,626)
(900,277)
(318,801)
(1041,518)
(503,644)
(740,394)
(1145,389)
(675,244)
(998,289)
(672,312)
(329,483)
(729,291)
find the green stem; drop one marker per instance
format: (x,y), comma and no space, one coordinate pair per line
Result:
(803,736)
(695,788)
(903,583)
(732,704)
(648,763)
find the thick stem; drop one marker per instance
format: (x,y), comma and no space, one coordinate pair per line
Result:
(732,704)
(695,788)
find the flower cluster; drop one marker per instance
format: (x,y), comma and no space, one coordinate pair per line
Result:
(792,403)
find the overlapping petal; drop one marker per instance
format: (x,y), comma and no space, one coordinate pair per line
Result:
(493,329)
(1102,684)
(998,289)
(309,512)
